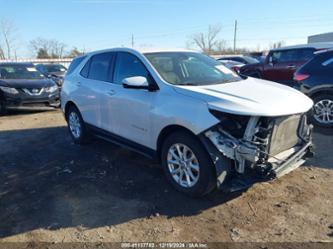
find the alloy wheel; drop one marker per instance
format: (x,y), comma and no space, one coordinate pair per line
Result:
(74,124)
(183,165)
(323,111)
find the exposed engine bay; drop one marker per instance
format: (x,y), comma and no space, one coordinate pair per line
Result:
(268,146)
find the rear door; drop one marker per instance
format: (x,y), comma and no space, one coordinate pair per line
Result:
(94,88)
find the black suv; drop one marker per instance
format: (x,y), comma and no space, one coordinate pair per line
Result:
(56,72)
(22,85)
(316,80)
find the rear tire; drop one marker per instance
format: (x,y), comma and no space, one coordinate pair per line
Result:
(322,112)
(194,177)
(76,126)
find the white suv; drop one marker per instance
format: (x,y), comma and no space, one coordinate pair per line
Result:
(206,125)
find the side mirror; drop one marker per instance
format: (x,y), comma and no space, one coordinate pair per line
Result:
(137,82)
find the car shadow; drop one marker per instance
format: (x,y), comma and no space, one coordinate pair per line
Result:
(28,110)
(49,182)
(323,142)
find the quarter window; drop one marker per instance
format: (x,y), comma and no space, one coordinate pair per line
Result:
(75,62)
(85,70)
(129,65)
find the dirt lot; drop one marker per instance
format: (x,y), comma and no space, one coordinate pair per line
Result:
(53,190)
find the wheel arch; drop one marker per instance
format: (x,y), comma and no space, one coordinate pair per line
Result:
(322,90)
(67,106)
(166,131)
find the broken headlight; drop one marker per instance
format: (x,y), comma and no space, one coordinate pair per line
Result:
(233,124)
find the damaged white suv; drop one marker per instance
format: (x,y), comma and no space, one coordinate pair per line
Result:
(207,126)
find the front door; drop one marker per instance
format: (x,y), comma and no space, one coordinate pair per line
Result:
(131,108)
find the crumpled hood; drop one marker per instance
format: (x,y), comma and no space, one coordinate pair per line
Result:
(252,97)
(18,83)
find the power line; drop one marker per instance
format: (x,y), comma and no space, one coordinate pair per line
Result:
(132,41)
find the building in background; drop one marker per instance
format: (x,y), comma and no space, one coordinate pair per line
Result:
(326,37)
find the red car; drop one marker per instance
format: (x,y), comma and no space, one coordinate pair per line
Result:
(281,64)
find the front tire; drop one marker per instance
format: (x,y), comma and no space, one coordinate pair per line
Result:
(322,111)
(187,165)
(76,126)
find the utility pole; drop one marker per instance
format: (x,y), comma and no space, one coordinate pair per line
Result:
(132,41)
(235,36)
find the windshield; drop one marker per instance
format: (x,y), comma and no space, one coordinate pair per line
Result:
(190,68)
(55,68)
(19,72)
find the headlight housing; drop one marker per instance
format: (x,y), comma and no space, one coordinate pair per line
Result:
(9,90)
(51,89)
(232,123)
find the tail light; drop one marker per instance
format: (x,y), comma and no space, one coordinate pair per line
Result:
(236,69)
(301,77)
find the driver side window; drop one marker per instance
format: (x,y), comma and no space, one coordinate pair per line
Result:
(275,57)
(128,65)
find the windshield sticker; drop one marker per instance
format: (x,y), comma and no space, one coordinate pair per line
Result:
(31,69)
(224,69)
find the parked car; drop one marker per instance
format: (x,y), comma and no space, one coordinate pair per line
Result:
(316,80)
(281,63)
(244,59)
(206,125)
(22,85)
(233,65)
(54,71)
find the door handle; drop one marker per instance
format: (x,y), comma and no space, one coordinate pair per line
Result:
(78,83)
(291,67)
(111,92)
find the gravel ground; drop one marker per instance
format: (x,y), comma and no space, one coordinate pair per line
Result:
(54,191)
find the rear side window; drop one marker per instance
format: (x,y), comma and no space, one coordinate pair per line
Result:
(292,55)
(328,63)
(305,54)
(322,61)
(289,55)
(100,67)
(75,62)
(128,65)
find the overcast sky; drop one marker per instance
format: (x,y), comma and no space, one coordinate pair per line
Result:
(97,24)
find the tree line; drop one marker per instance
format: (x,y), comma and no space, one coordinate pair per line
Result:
(210,43)
(207,41)
(41,48)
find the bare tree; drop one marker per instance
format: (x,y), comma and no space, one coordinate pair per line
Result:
(48,48)
(207,41)
(221,46)
(74,52)
(8,39)
(278,44)
(2,54)
(57,48)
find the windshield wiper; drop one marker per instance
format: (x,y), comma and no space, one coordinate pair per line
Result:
(186,84)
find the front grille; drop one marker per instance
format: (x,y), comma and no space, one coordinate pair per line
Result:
(33,91)
(285,134)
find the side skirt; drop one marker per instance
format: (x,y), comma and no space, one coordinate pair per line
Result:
(121,141)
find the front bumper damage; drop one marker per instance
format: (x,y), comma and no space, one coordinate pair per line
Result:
(269,148)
